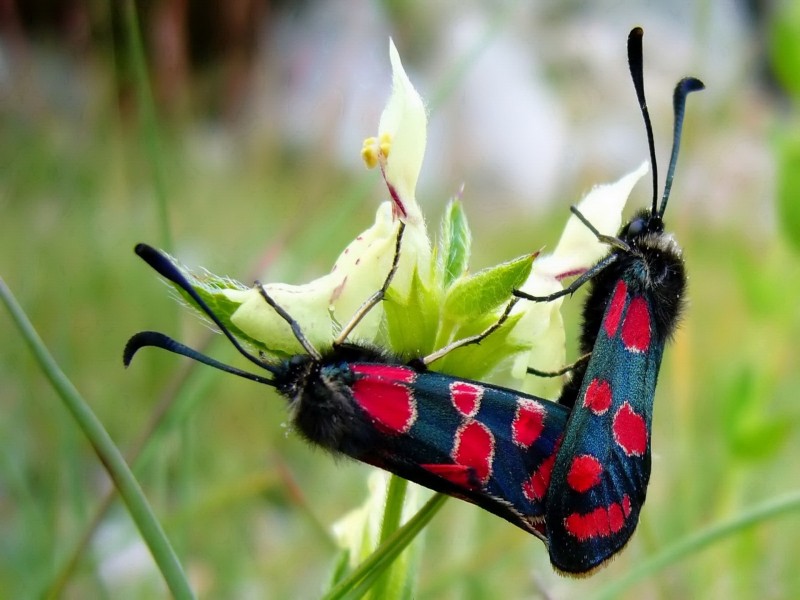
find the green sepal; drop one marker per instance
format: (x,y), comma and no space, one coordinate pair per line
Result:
(476,361)
(472,297)
(210,288)
(455,240)
(412,322)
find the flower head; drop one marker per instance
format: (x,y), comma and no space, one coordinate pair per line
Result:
(576,251)
(433,300)
(322,306)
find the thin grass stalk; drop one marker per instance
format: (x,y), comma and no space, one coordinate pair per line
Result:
(700,540)
(141,512)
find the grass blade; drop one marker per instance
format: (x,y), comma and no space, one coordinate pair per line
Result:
(106,451)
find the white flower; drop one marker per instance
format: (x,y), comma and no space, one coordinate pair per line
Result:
(400,145)
(576,251)
(322,306)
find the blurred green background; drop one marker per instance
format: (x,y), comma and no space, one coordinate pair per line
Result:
(243,157)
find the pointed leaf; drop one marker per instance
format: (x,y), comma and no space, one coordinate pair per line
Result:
(474,296)
(454,244)
(411,322)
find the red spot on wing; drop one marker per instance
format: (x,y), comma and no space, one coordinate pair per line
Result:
(598,396)
(535,488)
(459,474)
(474,447)
(616,520)
(614,310)
(389,372)
(636,327)
(528,422)
(584,473)
(626,505)
(630,431)
(466,397)
(601,522)
(382,392)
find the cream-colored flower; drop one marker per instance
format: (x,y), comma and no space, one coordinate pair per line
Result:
(400,144)
(322,306)
(577,250)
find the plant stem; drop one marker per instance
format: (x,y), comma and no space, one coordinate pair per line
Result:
(106,451)
(360,580)
(700,540)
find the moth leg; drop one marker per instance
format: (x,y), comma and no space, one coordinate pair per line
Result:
(563,370)
(575,285)
(473,339)
(296,329)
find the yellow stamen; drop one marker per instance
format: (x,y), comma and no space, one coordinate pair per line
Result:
(376,150)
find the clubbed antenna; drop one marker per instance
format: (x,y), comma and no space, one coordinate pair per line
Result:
(159,340)
(167,269)
(635,63)
(685,86)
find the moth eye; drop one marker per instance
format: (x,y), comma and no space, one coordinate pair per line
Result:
(634,228)
(637,226)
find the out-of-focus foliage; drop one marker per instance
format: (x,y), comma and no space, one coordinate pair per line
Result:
(249,506)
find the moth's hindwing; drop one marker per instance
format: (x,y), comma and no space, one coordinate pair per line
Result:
(486,444)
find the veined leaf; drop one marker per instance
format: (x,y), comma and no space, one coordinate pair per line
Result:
(455,241)
(471,297)
(412,322)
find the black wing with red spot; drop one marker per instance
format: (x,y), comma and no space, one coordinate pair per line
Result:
(489,445)
(600,477)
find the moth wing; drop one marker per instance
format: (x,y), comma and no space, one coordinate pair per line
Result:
(486,444)
(601,472)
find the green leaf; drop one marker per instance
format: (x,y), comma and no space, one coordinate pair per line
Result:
(412,322)
(361,579)
(474,296)
(477,360)
(455,240)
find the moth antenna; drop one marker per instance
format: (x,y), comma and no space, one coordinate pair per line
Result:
(685,86)
(167,269)
(159,340)
(636,66)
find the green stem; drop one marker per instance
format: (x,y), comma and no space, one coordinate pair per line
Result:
(392,513)
(395,497)
(147,113)
(700,540)
(359,581)
(106,451)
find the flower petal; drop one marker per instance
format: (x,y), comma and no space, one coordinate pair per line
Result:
(403,126)
(578,249)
